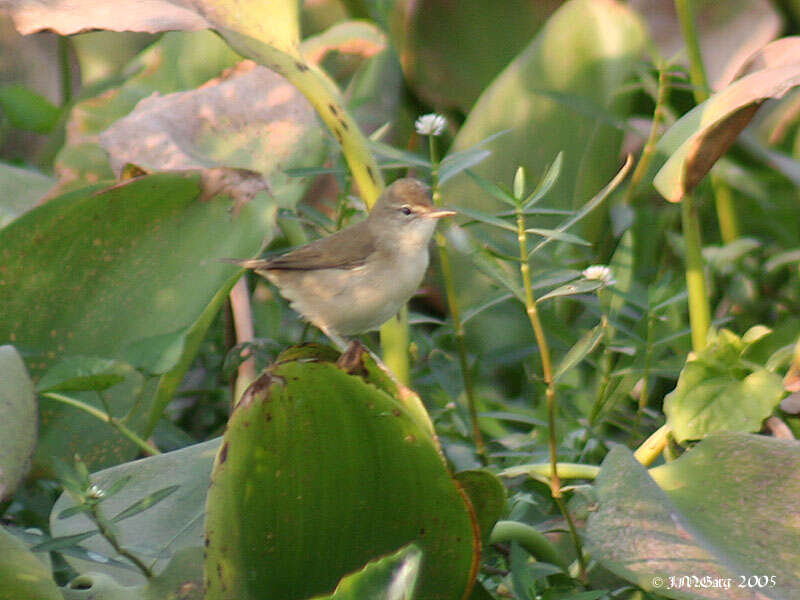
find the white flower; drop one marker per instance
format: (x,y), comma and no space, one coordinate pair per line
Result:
(600,273)
(95,492)
(432,124)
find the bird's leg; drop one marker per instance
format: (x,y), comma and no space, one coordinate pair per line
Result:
(338,341)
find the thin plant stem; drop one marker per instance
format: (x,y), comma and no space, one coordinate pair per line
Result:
(649,150)
(644,393)
(455,311)
(699,309)
(65,69)
(550,392)
(726,213)
(107,532)
(243,325)
(106,418)
(697,73)
(723,195)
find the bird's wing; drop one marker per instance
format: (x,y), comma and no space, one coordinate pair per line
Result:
(342,250)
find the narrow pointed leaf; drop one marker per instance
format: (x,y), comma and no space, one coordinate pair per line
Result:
(561,236)
(147,502)
(582,348)
(485,218)
(491,267)
(546,183)
(583,286)
(493,189)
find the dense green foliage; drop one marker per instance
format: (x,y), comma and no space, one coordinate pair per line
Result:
(595,393)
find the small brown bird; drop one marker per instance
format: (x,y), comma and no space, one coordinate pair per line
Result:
(358,278)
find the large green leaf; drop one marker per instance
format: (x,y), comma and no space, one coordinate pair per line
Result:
(18,426)
(719,391)
(176,523)
(22,576)
(95,271)
(329,472)
(725,511)
(451,51)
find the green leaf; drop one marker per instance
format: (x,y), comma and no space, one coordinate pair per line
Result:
(392,577)
(497,271)
(22,188)
(64,541)
(177,524)
(365,477)
(493,189)
(143,504)
(25,109)
(113,266)
(488,219)
(22,575)
(582,348)
(81,373)
(561,236)
(583,286)
(717,392)
(453,164)
(591,205)
(705,514)
(487,496)
(401,156)
(18,425)
(450,55)
(545,183)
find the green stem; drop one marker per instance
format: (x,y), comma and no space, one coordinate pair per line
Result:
(107,532)
(697,72)
(653,446)
(550,392)
(533,540)
(643,394)
(726,213)
(65,69)
(106,418)
(699,309)
(649,150)
(565,470)
(455,312)
(723,195)
(394,341)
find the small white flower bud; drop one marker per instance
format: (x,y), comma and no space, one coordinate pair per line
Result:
(432,124)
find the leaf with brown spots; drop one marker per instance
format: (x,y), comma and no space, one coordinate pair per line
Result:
(241,129)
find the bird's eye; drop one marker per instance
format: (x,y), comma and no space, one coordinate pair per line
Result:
(406,210)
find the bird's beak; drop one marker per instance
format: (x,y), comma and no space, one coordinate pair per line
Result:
(438,213)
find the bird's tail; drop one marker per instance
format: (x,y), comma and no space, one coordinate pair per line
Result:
(251,263)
